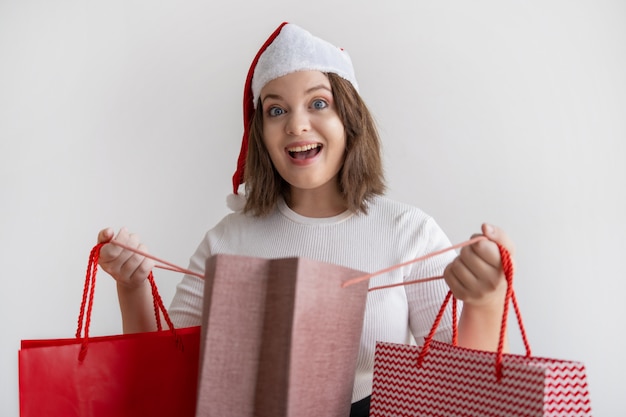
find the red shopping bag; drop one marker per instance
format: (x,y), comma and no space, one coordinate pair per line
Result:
(440,379)
(142,374)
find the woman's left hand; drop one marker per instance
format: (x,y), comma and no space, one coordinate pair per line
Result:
(476,276)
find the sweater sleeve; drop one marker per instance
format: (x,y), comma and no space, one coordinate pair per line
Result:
(425,299)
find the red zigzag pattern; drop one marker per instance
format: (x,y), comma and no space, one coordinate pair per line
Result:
(455,381)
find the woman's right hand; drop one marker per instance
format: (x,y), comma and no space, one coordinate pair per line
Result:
(129,269)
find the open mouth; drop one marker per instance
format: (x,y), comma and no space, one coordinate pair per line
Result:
(305,152)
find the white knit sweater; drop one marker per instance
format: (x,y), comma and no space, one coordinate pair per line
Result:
(391,233)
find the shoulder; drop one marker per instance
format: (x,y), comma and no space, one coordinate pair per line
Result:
(406,220)
(239,220)
(393,210)
(239,226)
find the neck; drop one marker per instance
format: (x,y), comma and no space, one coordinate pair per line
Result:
(320,202)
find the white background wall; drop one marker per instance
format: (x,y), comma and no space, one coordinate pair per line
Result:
(127,113)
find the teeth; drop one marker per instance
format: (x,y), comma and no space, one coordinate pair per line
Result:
(303,148)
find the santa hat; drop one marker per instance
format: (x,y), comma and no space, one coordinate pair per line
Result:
(289,49)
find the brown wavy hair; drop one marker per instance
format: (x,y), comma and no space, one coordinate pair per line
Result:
(360,178)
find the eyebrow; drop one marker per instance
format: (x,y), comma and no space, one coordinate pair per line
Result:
(307,91)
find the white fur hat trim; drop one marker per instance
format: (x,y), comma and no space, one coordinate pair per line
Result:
(295,49)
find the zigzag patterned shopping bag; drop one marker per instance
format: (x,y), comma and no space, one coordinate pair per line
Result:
(445,380)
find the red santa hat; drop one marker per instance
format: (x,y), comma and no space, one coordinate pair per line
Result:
(288,49)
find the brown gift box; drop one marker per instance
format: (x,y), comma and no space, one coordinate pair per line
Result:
(280,338)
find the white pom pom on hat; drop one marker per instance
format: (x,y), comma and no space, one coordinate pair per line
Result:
(288,49)
(236,202)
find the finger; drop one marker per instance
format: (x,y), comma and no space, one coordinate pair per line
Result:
(126,266)
(459,279)
(114,257)
(481,259)
(110,253)
(105,235)
(137,267)
(498,235)
(485,251)
(126,260)
(471,288)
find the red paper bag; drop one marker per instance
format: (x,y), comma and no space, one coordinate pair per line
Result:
(280,338)
(142,374)
(440,379)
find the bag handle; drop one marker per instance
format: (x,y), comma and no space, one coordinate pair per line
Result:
(84,317)
(507,266)
(369,276)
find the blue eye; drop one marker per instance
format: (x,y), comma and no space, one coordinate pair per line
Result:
(275,111)
(320,104)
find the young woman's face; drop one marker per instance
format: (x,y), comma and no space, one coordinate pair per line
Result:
(302,131)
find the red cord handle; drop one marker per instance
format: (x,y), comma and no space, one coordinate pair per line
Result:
(507,266)
(84,318)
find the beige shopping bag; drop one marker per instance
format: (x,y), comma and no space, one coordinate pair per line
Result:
(280,338)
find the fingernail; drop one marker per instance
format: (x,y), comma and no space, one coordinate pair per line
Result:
(489,229)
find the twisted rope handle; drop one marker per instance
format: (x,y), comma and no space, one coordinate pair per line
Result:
(507,267)
(84,317)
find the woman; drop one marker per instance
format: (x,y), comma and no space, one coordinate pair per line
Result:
(311,165)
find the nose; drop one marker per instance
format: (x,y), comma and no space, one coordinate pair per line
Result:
(297,123)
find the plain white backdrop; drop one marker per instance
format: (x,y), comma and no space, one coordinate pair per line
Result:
(128,113)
